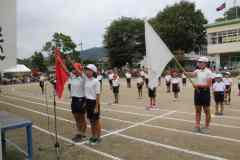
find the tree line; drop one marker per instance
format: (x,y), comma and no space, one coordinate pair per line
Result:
(181,26)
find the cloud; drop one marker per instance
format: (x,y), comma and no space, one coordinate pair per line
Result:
(84,20)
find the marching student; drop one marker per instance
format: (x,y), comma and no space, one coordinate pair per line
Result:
(152,87)
(202,97)
(99,78)
(175,81)
(110,77)
(41,83)
(116,85)
(168,81)
(146,78)
(92,95)
(142,73)
(140,83)
(77,83)
(184,80)
(128,76)
(228,86)
(238,86)
(218,91)
(159,80)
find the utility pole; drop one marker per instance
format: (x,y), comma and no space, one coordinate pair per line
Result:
(236,8)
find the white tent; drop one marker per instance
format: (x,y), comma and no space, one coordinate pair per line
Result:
(19,68)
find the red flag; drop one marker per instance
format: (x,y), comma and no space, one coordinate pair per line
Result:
(221,7)
(60,73)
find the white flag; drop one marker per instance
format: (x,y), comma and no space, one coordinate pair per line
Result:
(158,55)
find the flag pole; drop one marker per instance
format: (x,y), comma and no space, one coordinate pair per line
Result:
(184,72)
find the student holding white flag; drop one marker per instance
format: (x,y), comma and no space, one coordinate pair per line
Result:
(158,56)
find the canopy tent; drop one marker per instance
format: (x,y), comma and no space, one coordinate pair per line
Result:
(19,68)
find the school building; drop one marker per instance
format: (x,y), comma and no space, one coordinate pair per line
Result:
(224,43)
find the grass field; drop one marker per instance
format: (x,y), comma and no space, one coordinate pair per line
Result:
(129,130)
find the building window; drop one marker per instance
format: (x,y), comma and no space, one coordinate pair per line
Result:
(224,37)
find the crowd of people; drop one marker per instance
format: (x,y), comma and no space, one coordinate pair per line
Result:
(85,85)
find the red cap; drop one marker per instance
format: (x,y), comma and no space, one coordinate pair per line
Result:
(78,66)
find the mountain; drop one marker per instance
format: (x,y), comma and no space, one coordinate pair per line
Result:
(93,53)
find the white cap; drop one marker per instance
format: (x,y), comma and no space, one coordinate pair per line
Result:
(203,59)
(219,76)
(228,73)
(92,67)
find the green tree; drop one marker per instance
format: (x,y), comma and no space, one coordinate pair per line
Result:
(26,61)
(65,43)
(181,27)
(231,13)
(124,39)
(38,61)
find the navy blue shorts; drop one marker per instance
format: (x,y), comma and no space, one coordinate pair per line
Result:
(152,92)
(219,97)
(115,89)
(202,97)
(175,88)
(78,105)
(91,114)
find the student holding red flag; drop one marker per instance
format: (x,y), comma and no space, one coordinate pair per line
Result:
(77,82)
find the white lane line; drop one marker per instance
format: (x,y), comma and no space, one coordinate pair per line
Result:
(17,147)
(104,117)
(234,110)
(65,109)
(141,123)
(192,133)
(149,115)
(174,148)
(150,142)
(112,110)
(78,144)
(42,114)
(212,124)
(144,124)
(216,117)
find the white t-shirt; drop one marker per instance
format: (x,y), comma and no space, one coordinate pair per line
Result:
(175,80)
(168,78)
(42,78)
(183,76)
(142,73)
(92,88)
(110,76)
(139,80)
(227,81)
(203,76)
(99,77)
(77,85)
(218,87)
(128,75)
(146,76)
(115,82)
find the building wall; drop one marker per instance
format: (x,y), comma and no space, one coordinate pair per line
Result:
(223,28)
(224,44)
(224,48)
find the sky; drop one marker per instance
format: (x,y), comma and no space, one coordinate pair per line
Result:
(86,20)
